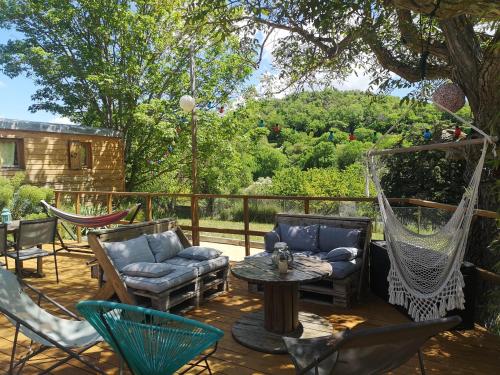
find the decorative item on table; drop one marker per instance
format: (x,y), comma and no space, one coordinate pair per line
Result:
(281,248)
(282,262)
(6,216)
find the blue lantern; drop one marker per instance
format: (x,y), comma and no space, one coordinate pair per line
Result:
(6,216)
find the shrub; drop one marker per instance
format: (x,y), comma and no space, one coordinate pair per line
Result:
(49,194)
(256,213)
(6,195)
(27,201)
(17,180)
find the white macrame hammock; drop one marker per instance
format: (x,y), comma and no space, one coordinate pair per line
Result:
(424,275)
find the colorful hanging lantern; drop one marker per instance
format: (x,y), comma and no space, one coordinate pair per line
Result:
(221,110)
(276,129)
(170,148)
(457,132)
(352,137)
(449,96)
(187,103)
(330,136)
(261,123)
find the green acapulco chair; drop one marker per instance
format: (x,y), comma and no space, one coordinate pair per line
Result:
(150,341)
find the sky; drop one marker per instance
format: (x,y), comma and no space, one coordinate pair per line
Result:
(15,94)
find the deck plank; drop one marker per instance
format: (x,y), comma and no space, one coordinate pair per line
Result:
(464,352)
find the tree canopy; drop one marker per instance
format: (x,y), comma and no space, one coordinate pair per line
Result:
(122,65)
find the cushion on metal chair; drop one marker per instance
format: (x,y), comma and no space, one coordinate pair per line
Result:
(33,252)
(150,341)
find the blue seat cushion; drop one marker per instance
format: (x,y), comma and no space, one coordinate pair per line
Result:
(345,268)
(299,238)
(178,276)
(199,253)
(30,253)
(270,239)
(127,252)
(201,266)
(343,254)
(164,245)
(331,237)
(145,269)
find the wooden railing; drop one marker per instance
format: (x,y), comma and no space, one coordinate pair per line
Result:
(195,227)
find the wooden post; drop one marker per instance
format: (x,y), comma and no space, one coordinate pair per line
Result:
(57,198)
(246,224)
(149,208)
(77,211)
(306,206)
(195,221)
(109,203)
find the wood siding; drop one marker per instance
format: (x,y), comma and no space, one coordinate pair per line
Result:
(46,161)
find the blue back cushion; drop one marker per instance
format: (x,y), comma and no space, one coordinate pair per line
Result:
(330,237)
(164,245)
(299,238)
(127,252)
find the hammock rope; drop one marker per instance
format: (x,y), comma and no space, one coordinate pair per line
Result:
(424,275)
(89,221)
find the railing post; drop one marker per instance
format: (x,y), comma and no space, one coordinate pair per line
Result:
(306,205)
(246,224)
(57,198)
(419,218)
(109,202)
(149,208)
(195,221)
(77,211)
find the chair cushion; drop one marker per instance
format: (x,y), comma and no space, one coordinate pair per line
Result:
(332,237)
(30,253)
(342,254)
(164,245)
(199,253)
(299,238)
(270,239)
(201,267)
(128,252)
(145,269)
(340,270)
(178,276)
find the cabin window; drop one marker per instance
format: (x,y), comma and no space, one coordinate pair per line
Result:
(80,155)
(11,153)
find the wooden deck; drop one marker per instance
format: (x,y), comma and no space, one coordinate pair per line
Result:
(466,352)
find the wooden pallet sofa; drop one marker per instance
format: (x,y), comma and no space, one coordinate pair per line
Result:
(154,264)
(342,241)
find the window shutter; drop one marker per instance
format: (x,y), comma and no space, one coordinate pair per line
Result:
(74,155)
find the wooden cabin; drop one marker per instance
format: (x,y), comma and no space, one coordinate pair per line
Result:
(64,157)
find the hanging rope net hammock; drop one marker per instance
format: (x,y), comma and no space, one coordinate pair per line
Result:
(424,275)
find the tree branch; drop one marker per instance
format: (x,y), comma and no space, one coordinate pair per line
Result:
(487,9)
(411,36)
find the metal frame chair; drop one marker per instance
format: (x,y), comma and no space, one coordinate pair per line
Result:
(152,342)
(78,337)
(365,351)
(3,244)
(29,239)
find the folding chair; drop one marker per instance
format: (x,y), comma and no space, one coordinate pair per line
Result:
(73,336)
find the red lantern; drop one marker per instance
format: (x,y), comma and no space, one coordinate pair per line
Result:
(221,110)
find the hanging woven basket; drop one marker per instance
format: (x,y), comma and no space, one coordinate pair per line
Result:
(450,96)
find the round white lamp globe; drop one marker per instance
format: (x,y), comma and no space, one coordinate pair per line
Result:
(187,103)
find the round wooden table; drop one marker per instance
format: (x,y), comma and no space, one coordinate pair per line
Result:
(264,330)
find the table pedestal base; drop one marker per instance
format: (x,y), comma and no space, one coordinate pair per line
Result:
(249,331)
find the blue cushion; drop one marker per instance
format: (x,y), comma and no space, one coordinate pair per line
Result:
(341,270)
(270,239)
(144,269)
(331,237)
(299,238)
(128,252)
(202,266)
(178,276)
(199,253)
(343,254)
(164,245)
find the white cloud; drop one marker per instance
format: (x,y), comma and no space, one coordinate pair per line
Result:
(62,120)
(358,80)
